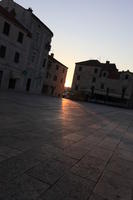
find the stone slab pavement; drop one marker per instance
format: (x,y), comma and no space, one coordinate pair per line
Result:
(58,149)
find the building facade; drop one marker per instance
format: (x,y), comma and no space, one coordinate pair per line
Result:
(36,50)
(55,77)
(15,42)
(102,82)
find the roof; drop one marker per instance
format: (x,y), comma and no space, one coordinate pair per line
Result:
(113,72)
(51,58)
(36,18)
(10,17)
(90,63)
(96,63)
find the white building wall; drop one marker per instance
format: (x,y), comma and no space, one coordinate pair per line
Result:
(115,85)
(9,68)
(41,37)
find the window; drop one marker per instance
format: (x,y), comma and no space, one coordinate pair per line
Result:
(44,62)
(37,36)
(80,68)
(104,74)
(16,57)
(55,78)
(123,92)
(49,64)
(94,80)
(102,86)
(1,74)
(2,51)
(78,77)
(76,87)
(28,84)
(12,83)
(33,57)
(47,75)
(20,37)
(57,67)
(126,76)
(107,91)
(96,70)
(48,47)
(92,91)
(6,29)
(61,80)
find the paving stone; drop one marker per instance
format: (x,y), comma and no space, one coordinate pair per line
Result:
(124,154)
(70,186)
(101,153)
(51,152)
(109,143)
(82,150)
(97,197)
(87,173)
(62,143)
(121,167)
(8,152)
(112,186)
(127,146)
(8,140)
(13,167)
(92,162)
(74,137)
(90,141)
(76,152)
(49,171)
(22,188)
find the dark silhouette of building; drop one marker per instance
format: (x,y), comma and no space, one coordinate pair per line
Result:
(55,77)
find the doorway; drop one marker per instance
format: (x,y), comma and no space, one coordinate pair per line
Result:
(28,84)
(12,83)
(1,74)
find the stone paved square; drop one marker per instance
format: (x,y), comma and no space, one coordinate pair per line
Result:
(58,149)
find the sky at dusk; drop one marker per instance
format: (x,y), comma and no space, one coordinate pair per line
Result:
(88,29)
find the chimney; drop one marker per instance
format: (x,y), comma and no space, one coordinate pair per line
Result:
(30,10)
(107,62)
(52,55)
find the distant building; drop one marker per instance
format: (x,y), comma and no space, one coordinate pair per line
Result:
(55,77)
(102,82)
(32,48)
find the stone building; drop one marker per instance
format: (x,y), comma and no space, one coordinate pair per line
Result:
(55,77)
(14,49)
(102,82)
(35,50)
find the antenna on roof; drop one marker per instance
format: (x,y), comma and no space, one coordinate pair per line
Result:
(52,55)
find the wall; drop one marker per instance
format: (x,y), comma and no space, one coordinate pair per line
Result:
(55,69)
(39,46)
(7,65)
(115,84)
